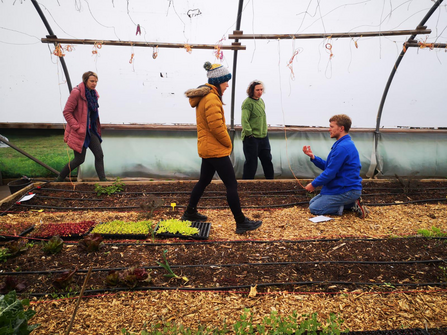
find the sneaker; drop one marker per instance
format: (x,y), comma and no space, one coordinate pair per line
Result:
(58,180)
(247,225)
(359,209)
(193,217)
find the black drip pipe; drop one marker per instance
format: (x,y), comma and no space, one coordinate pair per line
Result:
(50,31)
(188,266)
(393,72)
(230,288)
(233,87)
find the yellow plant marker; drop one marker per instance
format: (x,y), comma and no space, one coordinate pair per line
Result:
(173,204)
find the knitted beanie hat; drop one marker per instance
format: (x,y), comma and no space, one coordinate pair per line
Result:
(217,74)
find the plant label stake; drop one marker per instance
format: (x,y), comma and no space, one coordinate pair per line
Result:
(173,204)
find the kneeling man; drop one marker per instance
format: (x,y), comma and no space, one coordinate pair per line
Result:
(341,181)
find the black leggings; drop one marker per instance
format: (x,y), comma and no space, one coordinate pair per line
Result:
(225,171)
(79,158)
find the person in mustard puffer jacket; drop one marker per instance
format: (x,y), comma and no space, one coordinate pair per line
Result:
(83,128)
(214,146)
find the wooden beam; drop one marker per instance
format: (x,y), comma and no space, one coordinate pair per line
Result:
(237,34)
(233,46)
(422,45)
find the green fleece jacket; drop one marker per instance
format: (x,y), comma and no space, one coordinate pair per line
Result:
(253,120)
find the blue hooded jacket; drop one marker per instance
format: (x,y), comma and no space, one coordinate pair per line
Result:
(341,170)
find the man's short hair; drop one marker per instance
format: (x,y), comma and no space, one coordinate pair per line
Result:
(251,87)
(342,120)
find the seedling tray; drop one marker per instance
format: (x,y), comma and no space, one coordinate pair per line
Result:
(124,236)
(73,237)
(12,238)
(204,232)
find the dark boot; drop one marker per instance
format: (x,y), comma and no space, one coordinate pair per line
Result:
(191,214)
(247,225)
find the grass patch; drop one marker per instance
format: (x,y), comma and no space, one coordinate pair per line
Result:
(47,145)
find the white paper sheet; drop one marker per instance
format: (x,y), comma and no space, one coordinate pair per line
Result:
(320,218)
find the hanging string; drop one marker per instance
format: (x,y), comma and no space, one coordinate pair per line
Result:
(155,52)
(283,114)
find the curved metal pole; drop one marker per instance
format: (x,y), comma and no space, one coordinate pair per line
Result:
(233,87)
(50,31)
(373,166)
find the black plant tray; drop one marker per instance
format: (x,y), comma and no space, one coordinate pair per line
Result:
(12,238)
(124,236)
(204,231)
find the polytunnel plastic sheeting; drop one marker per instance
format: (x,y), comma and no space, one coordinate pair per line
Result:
(173,154)
(413,154)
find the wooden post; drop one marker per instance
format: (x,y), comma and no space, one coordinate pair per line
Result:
(79,300)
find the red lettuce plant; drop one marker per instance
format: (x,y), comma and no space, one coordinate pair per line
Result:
(12,284)
(16,247)
(67,229)
(91,243)
(129,277)
(64,279)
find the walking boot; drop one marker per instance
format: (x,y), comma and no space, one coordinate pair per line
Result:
(247,225)
(192,215)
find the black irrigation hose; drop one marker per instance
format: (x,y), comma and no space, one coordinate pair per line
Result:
(223,207)
(186,266)
(237,287)
(179,206)
(406,202)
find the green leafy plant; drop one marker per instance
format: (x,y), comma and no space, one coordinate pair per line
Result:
(116,187)
(4,254)
(167,267)
(13,318)
(123,227)
(434,232)
(53,246)
(175,226)
(272,324)
(91,243)
(443,276)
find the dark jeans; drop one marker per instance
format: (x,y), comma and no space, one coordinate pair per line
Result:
(254,148)
(79,158)
(225,171)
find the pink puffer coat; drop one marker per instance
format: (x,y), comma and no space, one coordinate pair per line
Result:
(76,113)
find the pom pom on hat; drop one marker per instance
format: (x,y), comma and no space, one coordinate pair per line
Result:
(217,74)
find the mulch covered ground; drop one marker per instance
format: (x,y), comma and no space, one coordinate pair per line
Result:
(393,299)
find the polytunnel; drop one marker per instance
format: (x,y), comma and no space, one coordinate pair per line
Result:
(382,63)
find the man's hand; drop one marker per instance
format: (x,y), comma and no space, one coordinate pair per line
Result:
(308,151)
(309,188)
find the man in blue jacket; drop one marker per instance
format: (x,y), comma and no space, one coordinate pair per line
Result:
(341,181)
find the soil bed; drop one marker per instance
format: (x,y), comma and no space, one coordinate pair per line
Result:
(386,279)
(252,194)
(341,265)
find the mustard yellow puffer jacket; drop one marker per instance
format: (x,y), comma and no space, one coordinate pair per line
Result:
(213,140)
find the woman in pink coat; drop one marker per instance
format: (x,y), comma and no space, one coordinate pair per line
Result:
(83,128)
